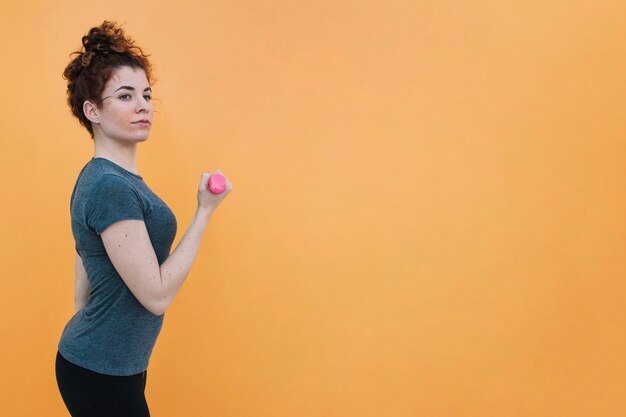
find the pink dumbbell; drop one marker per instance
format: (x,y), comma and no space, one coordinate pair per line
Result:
(217,184)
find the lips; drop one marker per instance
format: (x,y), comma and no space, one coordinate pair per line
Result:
(143,122)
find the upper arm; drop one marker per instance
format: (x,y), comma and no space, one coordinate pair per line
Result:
(128,245)
(114,210)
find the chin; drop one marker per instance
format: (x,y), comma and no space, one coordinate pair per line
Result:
(142,137)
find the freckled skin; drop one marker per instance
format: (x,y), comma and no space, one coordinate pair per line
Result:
(126,100)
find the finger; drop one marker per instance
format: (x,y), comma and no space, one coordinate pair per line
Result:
(204,180)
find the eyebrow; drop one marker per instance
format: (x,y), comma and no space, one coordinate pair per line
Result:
(127,87)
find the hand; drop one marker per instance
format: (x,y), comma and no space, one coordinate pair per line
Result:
(208,200)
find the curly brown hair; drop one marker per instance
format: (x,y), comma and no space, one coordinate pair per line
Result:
(105,49)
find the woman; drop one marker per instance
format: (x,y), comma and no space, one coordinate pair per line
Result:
(125,275)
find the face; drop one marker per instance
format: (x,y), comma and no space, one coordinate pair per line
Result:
(125,112)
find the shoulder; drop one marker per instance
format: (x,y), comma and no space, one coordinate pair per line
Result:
(111,180)
(110,188)
(101,185)
(95,180)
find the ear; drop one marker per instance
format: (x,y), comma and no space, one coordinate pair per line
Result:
(91,111)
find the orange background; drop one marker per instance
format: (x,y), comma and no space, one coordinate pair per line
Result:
(427,218)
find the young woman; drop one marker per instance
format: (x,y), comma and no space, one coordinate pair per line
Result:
(125,275)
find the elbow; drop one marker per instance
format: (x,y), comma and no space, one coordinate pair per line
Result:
(153,298)
(157,307)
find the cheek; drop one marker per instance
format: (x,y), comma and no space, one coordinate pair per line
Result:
(114,123)
(121,118)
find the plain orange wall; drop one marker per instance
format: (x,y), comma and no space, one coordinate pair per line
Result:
(428,216)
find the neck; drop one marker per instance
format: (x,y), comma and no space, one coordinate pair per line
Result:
(124,156)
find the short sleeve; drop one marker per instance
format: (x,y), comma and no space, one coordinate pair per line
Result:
(112,199)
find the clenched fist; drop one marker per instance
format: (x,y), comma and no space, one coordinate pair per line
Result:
(206,199)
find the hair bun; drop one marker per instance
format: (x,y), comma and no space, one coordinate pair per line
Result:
(104,39)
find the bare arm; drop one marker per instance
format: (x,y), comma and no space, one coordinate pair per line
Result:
(128,246)
(81,284)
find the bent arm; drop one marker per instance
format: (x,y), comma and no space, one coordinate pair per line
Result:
(81,284)
(128,246)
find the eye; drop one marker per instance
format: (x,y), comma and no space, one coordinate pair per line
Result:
(125,96)
(147,97)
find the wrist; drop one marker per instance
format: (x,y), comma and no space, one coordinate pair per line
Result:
(205,211)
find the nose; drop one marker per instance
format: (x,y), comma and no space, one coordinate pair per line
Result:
(143,105)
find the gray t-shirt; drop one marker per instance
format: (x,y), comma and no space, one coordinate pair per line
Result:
(113,334)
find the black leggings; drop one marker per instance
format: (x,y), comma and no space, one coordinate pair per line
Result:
(88,393)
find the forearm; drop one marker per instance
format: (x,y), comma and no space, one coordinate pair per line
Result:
(81,284)
(176,267)
(80,303)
